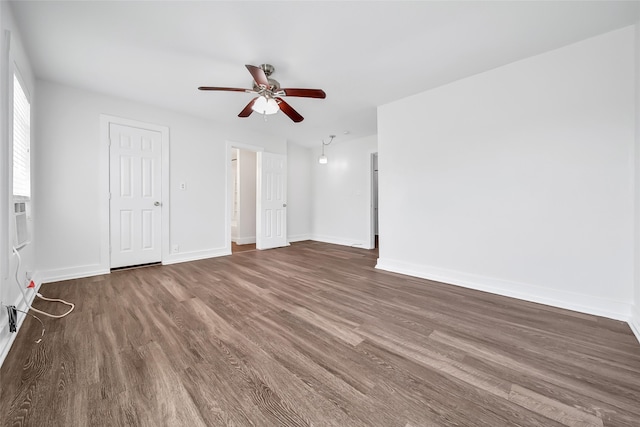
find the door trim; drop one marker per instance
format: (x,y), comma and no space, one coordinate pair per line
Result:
(105,122)
(369,198)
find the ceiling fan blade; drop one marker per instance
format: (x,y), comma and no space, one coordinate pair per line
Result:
(305,93)
(289,111)
(230,89)
(246,112)
(258,75)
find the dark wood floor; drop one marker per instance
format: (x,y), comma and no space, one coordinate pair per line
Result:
(312,334)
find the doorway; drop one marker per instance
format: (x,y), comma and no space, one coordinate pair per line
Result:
(243,216)
(270,197)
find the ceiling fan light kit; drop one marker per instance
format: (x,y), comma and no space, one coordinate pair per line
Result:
(269,99)
(264,105)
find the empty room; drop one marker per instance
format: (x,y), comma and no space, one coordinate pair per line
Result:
(320,213)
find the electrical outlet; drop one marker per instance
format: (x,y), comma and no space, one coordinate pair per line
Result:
(183,185)
(176,248)
(13,317)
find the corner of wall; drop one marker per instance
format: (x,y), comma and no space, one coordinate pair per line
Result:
(298,238)
(634,323)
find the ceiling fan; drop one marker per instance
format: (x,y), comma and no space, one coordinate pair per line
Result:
(269,99)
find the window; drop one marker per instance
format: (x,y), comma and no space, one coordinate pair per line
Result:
(21,142)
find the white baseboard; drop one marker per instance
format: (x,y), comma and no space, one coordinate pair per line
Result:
(298,238)
(57,275)
(196,255)
(7,338)
(634,323)
(97,269)
(588,304)
(341,241)
(245,240)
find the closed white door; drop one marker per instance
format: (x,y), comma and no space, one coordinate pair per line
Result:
(271,228)
(135,195)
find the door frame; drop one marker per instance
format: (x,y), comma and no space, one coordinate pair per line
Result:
(230,145)
(105,217)
(370,197)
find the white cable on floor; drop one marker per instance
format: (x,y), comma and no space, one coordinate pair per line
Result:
(70,304)
(26,301)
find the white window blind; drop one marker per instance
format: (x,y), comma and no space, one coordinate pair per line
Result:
(21,142)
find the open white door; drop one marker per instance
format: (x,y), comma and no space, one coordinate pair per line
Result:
(271,225)
(135,182)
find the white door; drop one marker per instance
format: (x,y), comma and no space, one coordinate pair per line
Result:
(135,195)
(271,228)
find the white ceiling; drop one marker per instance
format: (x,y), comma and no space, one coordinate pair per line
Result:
(363,54)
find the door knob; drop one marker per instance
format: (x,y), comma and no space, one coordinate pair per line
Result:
(157,204)
(284,205)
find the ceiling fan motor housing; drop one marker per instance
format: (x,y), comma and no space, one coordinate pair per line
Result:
(268,69)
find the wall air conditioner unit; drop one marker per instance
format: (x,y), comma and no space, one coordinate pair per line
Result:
(20,214)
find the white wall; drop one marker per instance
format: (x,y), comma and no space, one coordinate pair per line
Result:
(342,193)
(518,181)
(635,322)
(69,182)
(299,192)
(247,197)
(14,59)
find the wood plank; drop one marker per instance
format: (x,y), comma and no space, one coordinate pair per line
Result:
(553,409)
